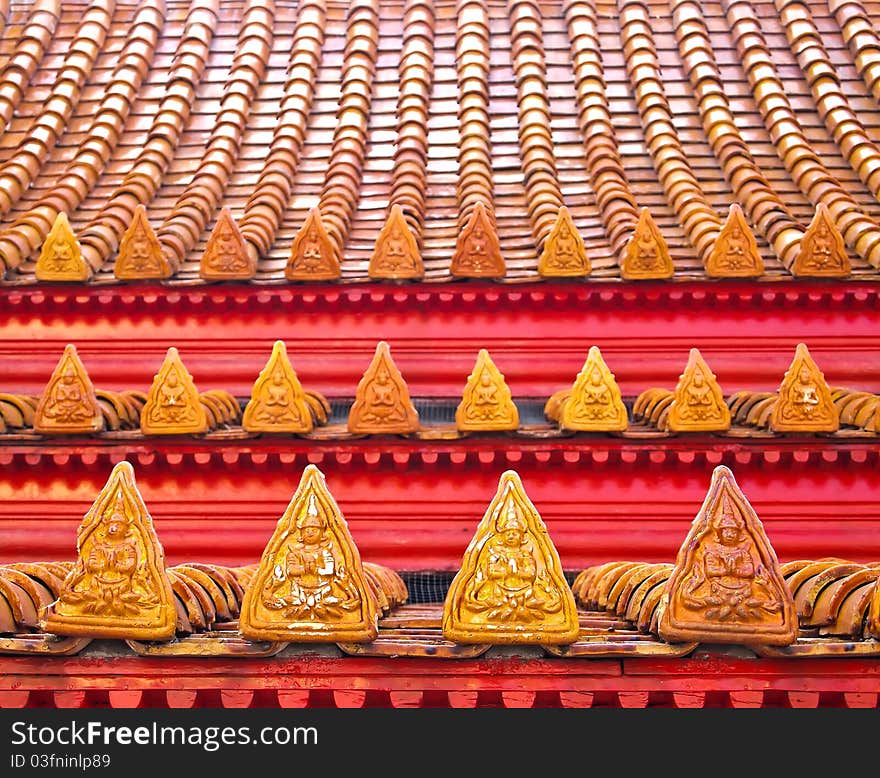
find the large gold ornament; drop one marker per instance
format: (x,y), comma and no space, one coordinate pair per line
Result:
(382,404)
(595,404)
(68,404)
(486,404)
(310,585)
(804,401)
(477,250)
(173,406)
(396,255)
(823,252)
(647,256)
(564,254)
(726,586)
(698,403)
(510,588)
(278,402)
(312,254)
(60,257)
(735,253)
(226,257)
(140,254)
(118,587)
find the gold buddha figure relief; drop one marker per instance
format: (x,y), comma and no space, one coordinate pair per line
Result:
(310,585)
(477,250)
(698,404)
(726,586)
(486,404)
(396,254)
(68,404)
(278,402)
(226,256)
(804,401)
(823,252)
(595,404)
(382,403)
(312,255)
(61,257)
(510,588)
(118,587)
(564,254)
(735,253)
(173,406)
(647,256)
(140,255)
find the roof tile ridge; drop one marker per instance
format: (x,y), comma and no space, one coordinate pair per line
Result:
(750,186)
(833,105)
(544,195)
(794,149)
(475,183)
(341,190)
(409,180)
(101,236)
(82,172)
(30,49)
(19,172)
(861,37)
(681,185)
(614,196)
(197,204)
(267,204)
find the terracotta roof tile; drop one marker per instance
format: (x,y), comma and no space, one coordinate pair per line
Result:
(550,115)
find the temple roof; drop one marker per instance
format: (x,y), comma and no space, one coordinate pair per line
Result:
(271,109)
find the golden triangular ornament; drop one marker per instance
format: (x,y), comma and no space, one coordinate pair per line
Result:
(396,255)
(510,587)
(382,404)
(310,585)
(118,587)
(173,406)
(68,404)
(595,403)
(486,403)
(804,402)
(60,257)
(698,403)
(726,586)
(564,254)
(278,402)
(140,254)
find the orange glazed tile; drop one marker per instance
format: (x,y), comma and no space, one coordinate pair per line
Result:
(310,585)
(396,255)
(595,404)
(118,587)
(382,404)
(564,253)
(510,587)
(226,257)
(804,403)
(312,255)
(173,406)
(647,256)
(477,251)
(61,258)
(486,404)
(735,253)
(726,586)
(140,255)
(278,402)
(698,403)
(823,252)
(68,404)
